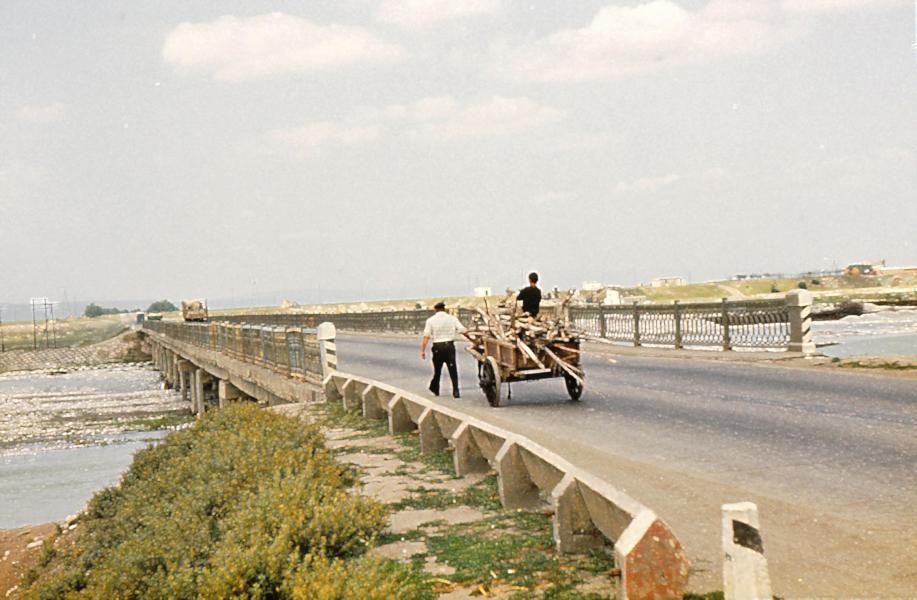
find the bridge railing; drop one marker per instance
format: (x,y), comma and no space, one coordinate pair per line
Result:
(293,351)
(781,324)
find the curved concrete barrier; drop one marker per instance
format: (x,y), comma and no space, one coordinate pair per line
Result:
(586,509)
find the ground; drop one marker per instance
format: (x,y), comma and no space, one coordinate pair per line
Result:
(20,550)
(454,528)
(74,332)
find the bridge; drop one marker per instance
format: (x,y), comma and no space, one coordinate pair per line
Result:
(827,456)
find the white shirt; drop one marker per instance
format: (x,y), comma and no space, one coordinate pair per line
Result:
(442,327)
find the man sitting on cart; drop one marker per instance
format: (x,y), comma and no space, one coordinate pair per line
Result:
(531,296)
(442,329)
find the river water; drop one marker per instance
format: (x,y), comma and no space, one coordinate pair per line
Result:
(64,437)
(887,333)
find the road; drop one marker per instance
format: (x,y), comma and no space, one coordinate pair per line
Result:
(829,457)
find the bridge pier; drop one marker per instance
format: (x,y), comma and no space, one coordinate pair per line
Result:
(227,392)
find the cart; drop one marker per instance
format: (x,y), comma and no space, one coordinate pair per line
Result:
(501,361)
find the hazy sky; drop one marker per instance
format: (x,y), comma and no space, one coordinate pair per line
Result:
(409,147)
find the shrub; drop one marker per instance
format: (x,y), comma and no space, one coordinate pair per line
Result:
(246,503)
(94,310)
(803,286)
(162,306)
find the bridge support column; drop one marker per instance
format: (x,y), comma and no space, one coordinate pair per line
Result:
(167,369)
(197,393)
(227,392)
(184,379)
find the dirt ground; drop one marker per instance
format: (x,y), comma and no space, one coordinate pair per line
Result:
(20,550)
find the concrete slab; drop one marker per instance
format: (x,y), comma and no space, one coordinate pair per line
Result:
(399,550)
(408,520)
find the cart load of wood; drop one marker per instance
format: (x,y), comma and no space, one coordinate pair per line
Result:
(545,345)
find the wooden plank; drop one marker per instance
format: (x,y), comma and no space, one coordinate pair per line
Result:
(563,365)
(528,351)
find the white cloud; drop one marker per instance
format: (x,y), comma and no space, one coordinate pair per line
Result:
(837,6)
(418,14)
(444,119)
(625,40)
(647,184)
(308,139)
(240,48)
(42,114)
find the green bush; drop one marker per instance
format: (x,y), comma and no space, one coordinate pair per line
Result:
(246,503)
(162,306)
(94,310)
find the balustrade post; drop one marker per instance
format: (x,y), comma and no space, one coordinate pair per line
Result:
(603,326)
(636,323)
(727,341)
(678,340)
(799,308)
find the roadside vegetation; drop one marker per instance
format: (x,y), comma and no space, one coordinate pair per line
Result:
(246,503)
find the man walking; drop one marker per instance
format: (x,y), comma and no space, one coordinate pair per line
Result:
(442,329)
(531,296)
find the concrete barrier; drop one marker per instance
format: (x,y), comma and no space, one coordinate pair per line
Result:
(745,574)
(587,510)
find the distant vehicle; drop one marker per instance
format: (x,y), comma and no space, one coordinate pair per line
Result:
(194,310)
(154,316)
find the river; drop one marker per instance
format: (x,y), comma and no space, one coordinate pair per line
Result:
(886,333)
(65,436)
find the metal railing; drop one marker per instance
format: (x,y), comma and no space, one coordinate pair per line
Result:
(741,324)
(750,324)
(292,351)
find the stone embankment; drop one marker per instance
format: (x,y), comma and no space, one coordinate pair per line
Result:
(127,347)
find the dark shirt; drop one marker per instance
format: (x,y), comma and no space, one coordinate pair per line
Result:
(531,300)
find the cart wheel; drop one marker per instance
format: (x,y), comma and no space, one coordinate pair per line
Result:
(574,387)
(489,380)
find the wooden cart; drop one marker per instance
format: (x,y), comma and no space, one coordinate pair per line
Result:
(501,361)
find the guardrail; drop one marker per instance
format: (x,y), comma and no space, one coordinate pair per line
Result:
(292,351)
(783,323)
(587,509)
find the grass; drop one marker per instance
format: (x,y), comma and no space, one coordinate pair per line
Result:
(69,333)
(157,423)
(887,365)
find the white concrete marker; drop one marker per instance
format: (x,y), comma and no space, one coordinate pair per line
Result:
(745,575)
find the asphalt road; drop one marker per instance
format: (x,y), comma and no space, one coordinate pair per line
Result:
(830,457)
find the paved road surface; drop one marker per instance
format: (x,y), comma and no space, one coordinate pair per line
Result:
(830,458)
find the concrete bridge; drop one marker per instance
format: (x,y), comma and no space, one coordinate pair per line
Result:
(828,456)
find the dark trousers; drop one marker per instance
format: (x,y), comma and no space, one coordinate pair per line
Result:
(444,353)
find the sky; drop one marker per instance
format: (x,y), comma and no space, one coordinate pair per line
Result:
(337,150)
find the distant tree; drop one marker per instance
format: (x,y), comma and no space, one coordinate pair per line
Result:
(162,306)
(94,310)
(803,286)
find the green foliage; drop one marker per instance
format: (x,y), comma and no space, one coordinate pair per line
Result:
(803,285)
(246,503)
(162,306)
(94,310)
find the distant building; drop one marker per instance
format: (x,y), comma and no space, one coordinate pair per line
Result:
(611,297)
(482,292)
(668,282)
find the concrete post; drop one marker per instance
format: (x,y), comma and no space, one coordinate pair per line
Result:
(467,457)
(327,348)
(372,404)
(167,369)
(431,437)
(197,394)
(745,575)
(399,420)
(727,337)
(184,379)
(516,488)
(573,527)
(799,307)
